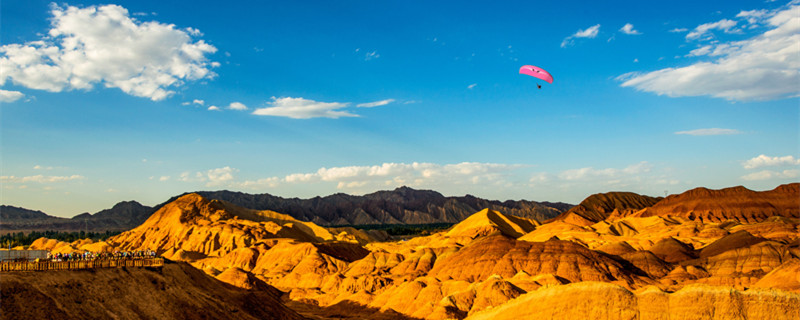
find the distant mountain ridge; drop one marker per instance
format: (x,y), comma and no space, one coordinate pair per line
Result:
(400,206)
(403,205)
(122,216)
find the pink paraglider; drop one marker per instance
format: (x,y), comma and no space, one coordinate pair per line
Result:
(536,72)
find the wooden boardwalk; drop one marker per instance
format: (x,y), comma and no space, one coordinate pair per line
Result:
(77,265)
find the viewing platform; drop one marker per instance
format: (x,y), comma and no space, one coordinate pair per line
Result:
(8,266)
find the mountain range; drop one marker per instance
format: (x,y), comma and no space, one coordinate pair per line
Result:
(611,257)
(400,206)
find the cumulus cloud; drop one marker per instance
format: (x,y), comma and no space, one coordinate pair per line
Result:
(628,29)
(10,96)
(375,104)
(753,16)
(764,67)
(40,179)
(213,108)
(472,86)
(709,132)
(589,32)
(704,29)
(237,106)
(370,178)
(104,45)
(217,177)
(607,173)
(768,175)
(300,108)
(766,161)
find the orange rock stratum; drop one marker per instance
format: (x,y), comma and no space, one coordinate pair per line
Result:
(703,254)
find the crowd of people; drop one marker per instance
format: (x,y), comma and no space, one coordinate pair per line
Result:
(116,255)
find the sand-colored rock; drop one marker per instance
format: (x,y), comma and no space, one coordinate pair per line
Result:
(505,257)
(671,250)
(488,222)
(596,300)
(784,277)
(176,291)
(729,242)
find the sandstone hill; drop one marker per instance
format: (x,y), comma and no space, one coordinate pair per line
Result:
(400,206)
(175,291)
(597,300)
(737,203)
(491,264)
(600,206)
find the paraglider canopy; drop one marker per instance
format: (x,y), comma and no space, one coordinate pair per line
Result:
(537,72)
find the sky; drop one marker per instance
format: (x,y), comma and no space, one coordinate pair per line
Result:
(145,100)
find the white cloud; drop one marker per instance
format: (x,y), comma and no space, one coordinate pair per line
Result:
(371,55)
(163,178)
(678,30)
(104,45)
(765,67)
(589,32)
(709,132)
(753,16)
(38,167)
(768,174)
(40,179)
(10,96)
(219,176)
(628,29)
(299,108)
(724,25)
(237,106)
(375,104)
(387,175)
(213,108)
(607,173)
(198,102)
(766,161)
(472,86)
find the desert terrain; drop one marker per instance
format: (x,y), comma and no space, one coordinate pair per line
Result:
(731,253)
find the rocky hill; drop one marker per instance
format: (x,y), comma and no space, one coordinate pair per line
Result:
(702,204)
(491,265)
(599,207)
(400,206)
(736,203)
(175,291)
(122,216)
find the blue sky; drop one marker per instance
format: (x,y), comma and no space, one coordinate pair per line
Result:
(144,100)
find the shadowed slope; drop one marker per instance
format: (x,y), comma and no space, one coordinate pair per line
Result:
(176,291)
(599,207)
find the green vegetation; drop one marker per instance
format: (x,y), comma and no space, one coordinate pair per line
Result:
(22,239)
(404,229)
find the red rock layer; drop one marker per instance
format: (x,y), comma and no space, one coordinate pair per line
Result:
(600,206)
(737,203)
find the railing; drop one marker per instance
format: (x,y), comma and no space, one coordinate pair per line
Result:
(81,264)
